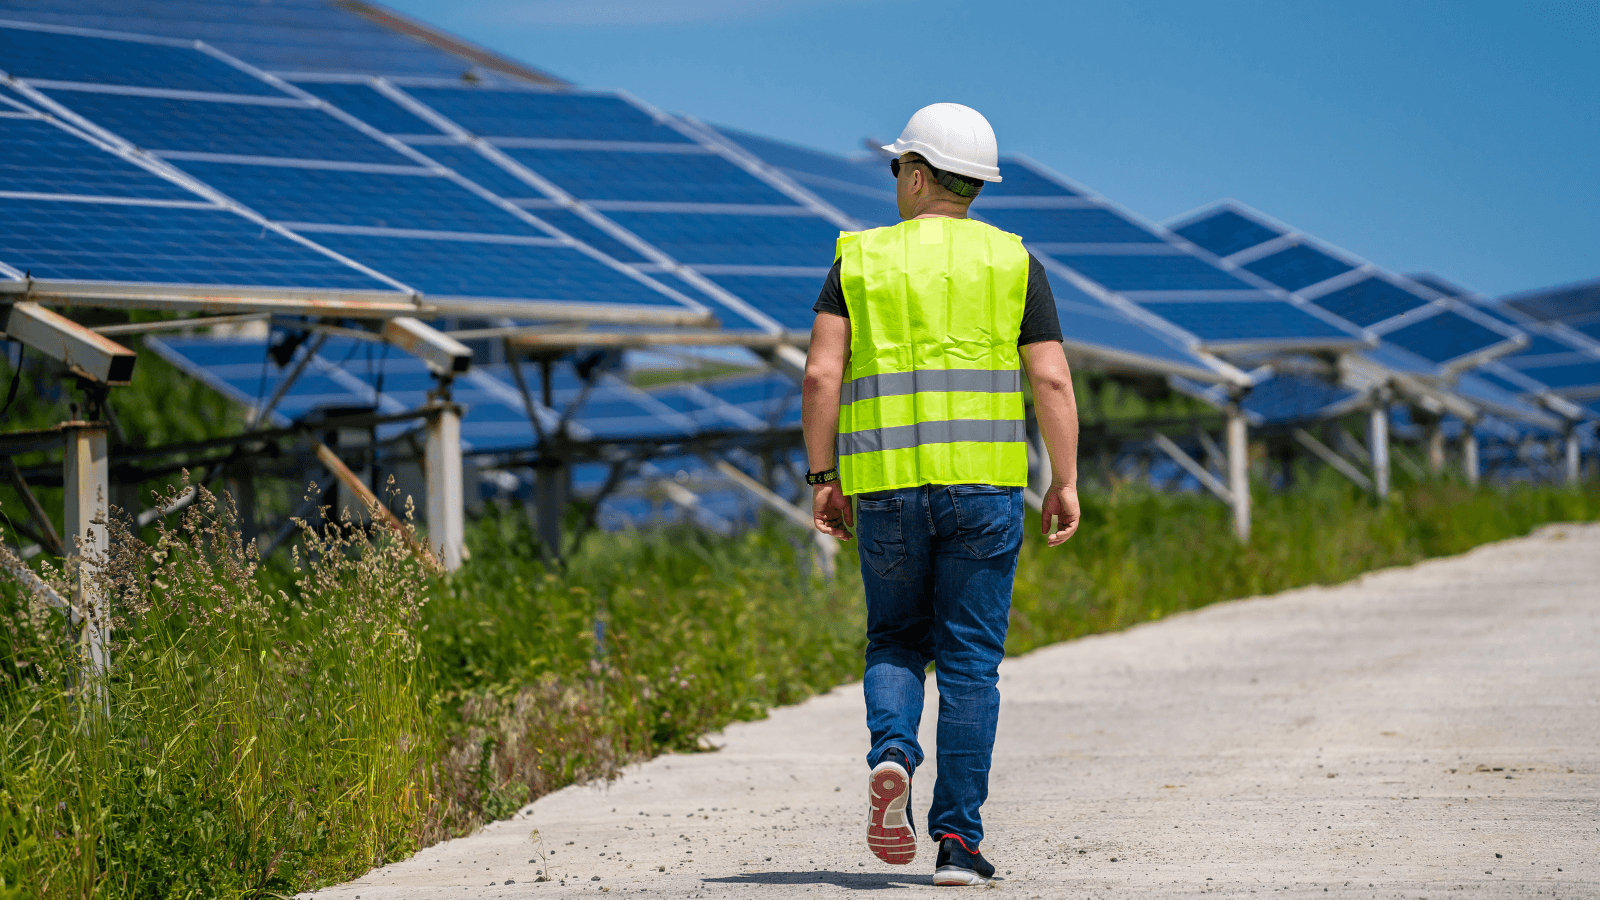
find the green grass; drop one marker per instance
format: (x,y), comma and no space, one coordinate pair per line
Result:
(265,742)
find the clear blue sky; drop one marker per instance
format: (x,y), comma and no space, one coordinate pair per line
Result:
(1461,137)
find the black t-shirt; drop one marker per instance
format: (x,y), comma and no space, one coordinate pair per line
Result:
(1039,320)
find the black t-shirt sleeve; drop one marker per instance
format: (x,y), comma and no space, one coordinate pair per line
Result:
(1039,320)
(831,300)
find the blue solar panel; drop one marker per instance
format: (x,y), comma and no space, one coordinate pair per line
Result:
(1226,233)
(655,177)
(1104,329)
(1018,181)
(1153,273)
(787,299)
(1444,337)
(371,107)
(249,129)
(1230,321)
(1590,329)
(103,242)
(283,35)
(1289,398)
(472,164)
(1539,345)
(736,239)
(1568,376)
(1297,267)
(67,57)
(477,269)
(1068,226)
(872,211)
(530,114)
(583,230)
(1369,301)
(1497,380)
(38,156)
(373,199)
(804,161)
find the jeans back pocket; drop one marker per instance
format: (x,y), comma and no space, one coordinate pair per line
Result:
(987,519)
(878,530)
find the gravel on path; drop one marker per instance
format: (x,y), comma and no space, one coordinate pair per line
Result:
(1426,732)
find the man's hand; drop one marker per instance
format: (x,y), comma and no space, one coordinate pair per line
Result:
(1061,504)
(830,510)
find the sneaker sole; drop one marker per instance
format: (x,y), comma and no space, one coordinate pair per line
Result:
(951,876)
(889,833)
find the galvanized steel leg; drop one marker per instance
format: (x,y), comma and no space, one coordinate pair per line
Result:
(87,488)
(1378,446)
(1435,448)
(1239,470)
(1574,458)
(1469,453)
(446,499)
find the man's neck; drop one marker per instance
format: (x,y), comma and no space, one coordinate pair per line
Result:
(943,210)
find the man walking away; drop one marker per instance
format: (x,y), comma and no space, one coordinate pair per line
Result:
(913,405)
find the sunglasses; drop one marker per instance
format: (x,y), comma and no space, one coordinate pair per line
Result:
(894,165)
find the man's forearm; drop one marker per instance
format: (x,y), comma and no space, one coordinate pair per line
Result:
(819,418)
(1056,409)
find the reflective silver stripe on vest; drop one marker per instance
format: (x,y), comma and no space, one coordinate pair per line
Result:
(899,437)
(896,384)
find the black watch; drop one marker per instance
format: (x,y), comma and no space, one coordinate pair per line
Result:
(822,477)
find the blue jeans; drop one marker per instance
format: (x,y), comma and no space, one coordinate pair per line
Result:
(938,562)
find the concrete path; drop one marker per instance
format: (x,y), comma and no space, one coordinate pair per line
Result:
(1430,732)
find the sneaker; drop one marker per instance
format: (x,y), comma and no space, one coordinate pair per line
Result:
(890,835)
(959,866)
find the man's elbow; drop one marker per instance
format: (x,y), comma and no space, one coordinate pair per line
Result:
(821,379)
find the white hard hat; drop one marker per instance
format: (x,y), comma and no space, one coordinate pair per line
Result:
(952,137)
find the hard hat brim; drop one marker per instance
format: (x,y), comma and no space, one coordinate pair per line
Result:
(940,161)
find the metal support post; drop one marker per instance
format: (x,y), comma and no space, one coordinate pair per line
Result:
(1239,470)
(1574,456)
(1435,448)
(1469,453)
(87,489)
(446,512)
(1378,446)
(551,486)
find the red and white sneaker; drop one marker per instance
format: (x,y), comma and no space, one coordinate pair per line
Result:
(890,834)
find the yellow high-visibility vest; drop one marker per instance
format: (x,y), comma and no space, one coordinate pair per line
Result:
(933,392)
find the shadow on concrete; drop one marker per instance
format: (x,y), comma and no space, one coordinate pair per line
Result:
(861,881)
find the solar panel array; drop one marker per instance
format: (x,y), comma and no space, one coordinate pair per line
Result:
(1435,330)
(1559,360)
(344,207)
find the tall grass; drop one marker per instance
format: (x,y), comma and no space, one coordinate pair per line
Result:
(255,743)
(278,727)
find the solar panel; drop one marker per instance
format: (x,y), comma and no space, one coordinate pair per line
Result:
(1409,316)
(1297,267)
(283,35)
(1370,301)
(285,128)
(624,177)
(286,159)
(40,54)
(86,240)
